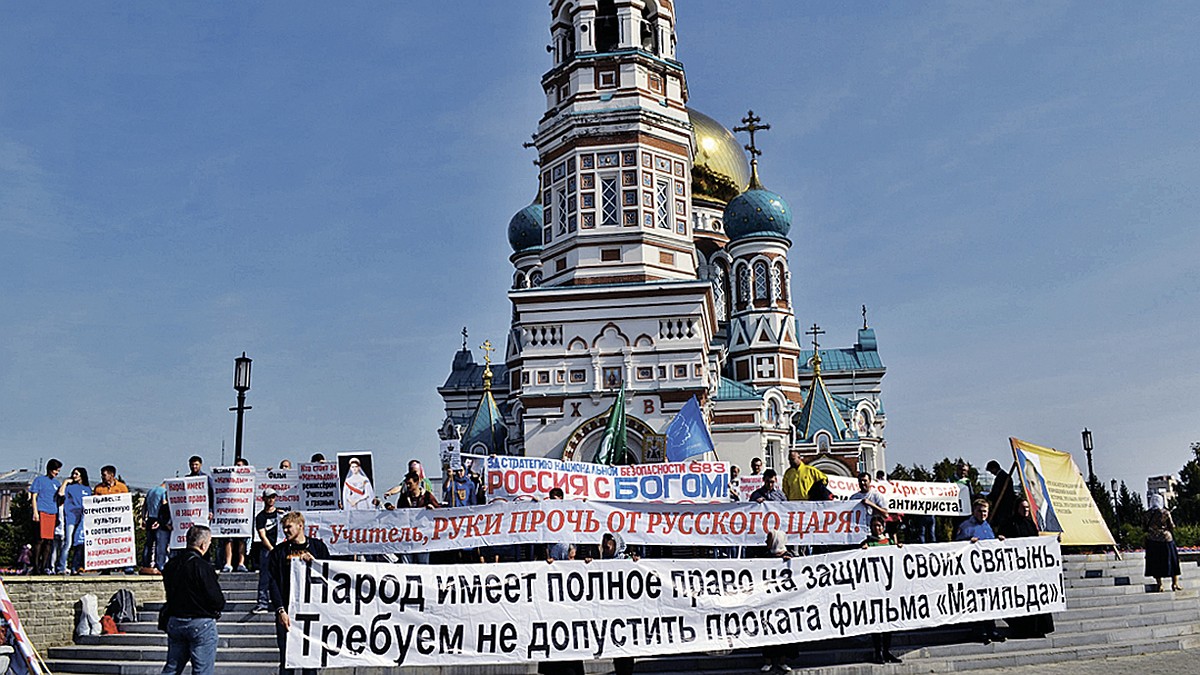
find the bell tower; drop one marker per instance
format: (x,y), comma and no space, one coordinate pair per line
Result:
(614,147)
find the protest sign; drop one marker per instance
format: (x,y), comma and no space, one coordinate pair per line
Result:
(233,497)
(1060,499)
(346,614)
(450,454)
(525,522)
(285,483)
(356,475)
(319,485)
(188,498)
(108,532)
(679,482)
(903,496)
(748,485)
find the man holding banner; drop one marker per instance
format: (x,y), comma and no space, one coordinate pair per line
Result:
(297,546)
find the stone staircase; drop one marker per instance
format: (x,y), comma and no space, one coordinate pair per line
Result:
(1110,612)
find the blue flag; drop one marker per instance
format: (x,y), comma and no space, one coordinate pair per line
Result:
(687,435)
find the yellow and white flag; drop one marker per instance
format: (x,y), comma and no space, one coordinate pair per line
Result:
(1058,495)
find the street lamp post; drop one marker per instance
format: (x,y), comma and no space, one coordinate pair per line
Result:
(1087,447)
(241,384)
(1116,507)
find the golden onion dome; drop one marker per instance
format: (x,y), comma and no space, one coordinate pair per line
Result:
(720,170)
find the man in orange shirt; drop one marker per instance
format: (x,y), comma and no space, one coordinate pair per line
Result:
(109,485)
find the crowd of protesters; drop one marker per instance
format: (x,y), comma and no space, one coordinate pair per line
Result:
(280,536)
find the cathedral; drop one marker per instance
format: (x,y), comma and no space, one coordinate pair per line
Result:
(654,261)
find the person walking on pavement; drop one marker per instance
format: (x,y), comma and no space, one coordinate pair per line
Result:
(194,603)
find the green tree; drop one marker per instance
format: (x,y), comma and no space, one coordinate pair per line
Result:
(1104,502)
(1129,506)
(20,529)
(1186,505)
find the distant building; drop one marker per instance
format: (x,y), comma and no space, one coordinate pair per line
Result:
(1163,484)
(12,482)
(653,261)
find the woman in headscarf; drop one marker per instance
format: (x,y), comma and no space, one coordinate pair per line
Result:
(1162,560)
(1022,525)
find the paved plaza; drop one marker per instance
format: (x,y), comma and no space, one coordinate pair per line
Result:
(1165,663)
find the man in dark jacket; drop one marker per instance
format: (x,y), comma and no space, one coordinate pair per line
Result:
(1002,497)
(194,602)
(296,546)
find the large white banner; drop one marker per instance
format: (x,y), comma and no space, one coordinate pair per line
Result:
(108,532)
(680,482)
(364,614)
(902,496)
(233,497)
(319,486)
(285,483)
(500,523)
(188,498)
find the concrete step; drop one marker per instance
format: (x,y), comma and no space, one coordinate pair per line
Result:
(156,639)
(154,653)
(1123,596)
(85,667)
(1132,606)
(264,626)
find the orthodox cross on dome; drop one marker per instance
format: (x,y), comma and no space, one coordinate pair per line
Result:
(464,334)
(750,126)
(815,331)
(487,364)
(864,312)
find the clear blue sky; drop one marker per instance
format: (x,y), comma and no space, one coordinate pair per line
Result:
(1010,187)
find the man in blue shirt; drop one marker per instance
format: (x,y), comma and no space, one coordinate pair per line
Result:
(43,493)
(460,490)
(769,492)
(974,529)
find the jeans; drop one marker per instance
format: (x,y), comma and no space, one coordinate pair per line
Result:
(154,552)
(281,641)
(192,640)
(162,539)
(264,580)
(64,553)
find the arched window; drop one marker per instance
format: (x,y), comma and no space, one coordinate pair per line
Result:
(743,296)
(762,289)
(649,30)
(608,30)
(777,282)
(719,297)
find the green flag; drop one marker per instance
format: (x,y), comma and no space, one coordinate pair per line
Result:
(612,445)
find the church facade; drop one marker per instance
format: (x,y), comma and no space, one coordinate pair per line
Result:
(654,260)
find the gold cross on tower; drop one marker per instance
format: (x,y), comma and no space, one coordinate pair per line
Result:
(750,126)
(487,364)
(814,332)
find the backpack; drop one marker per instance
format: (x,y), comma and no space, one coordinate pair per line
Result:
(122,607)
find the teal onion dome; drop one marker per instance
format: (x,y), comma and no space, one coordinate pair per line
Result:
(525,229)
(757,212)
